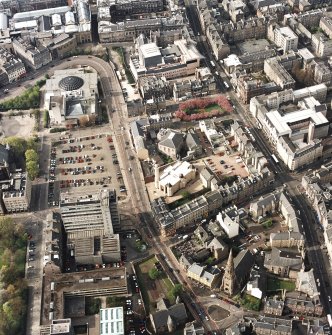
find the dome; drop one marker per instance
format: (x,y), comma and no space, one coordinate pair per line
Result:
(71,83)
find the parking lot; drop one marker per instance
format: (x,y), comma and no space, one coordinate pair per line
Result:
(84,162)
(226,165)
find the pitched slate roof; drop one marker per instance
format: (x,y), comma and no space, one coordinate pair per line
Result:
(243,263)
(172,140)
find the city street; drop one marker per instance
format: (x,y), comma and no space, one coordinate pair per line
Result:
(137,204)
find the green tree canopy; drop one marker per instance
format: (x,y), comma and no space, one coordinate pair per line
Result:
(176,290)
(32,169)
(154,273)
(17,144)
(13,286)
(31,155)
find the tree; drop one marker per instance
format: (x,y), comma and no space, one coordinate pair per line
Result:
(92,119)
(84,121)
(186,195)
(31,155)
(175,291)
(46,118)
(31,143)
(7,233)
(154,273)
(32,169)
(17,144)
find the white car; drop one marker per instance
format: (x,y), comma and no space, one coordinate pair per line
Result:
(329,297)
(206,318)
(139,301)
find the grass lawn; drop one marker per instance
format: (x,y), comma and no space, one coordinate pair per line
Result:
(251,302)
(152,290)
(213,107)
(207,109)
(274,284)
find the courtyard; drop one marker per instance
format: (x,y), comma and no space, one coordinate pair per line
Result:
(153,290)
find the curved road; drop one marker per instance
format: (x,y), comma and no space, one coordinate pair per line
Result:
(131,170)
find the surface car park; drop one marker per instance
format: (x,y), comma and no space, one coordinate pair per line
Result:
(82,162)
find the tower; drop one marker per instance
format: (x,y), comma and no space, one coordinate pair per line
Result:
(228,281)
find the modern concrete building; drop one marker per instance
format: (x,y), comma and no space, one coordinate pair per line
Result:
(71,94)
(177,60)
(61,327)
(62,291)
(88,223)
(297,130)
(16,193)
(283,37)
(112,321)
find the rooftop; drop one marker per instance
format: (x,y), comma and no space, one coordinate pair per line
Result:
(174,173)
(111,321)
(281,122)
(287,32)
(150,50)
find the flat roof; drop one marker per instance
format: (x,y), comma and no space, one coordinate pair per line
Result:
(306,54)
(280,122)
(232,60)
(111,321)
(35,14)
(252,46)
(150,50)
(287,32)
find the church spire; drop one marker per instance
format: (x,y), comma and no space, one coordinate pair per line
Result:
(228,281)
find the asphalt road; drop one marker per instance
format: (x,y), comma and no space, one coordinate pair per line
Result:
(314,241)
(135,184)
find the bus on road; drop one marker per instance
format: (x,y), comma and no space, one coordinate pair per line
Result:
(329,320)
(273,156)
(226,85)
